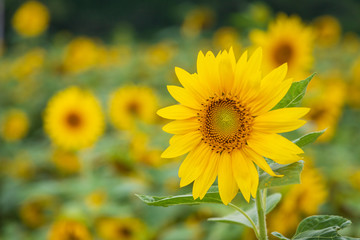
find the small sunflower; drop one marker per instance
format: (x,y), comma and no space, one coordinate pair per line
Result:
(69,229)
(225,124)
(131,103)
(66,161)
(286,41)
(73,119)
(121,228)
(15,125)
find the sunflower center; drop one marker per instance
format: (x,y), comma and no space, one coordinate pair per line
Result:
(73,120)
(133,108)
(225,123)
(125,232)
(283,53)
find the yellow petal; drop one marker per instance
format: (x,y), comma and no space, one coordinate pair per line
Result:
(183,144)
(278,127)
(227,183)
(194,164)
(182,126)
(240,167)
(283,115)
(254,176)
(239,82)
(207,177)
(177,112)
(275,77)
(208,72)
(183,96)
(192,84)
(226,72)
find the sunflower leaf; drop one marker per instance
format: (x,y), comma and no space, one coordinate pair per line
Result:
(279,235)
(321,227)
(212,196)
(239,218)
(291,174)
(308,138)
(295,94)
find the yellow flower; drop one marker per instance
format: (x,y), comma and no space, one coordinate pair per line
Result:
(160,54)
(36,212)
(227,37)
(286,41)
(130,103)
(140,151)
(96,199)
(31,19)
(326,100)
(66,161)
(355,179)
(15,125)
(354,87)
(69,229)
(81,54)
(73,119)
(121,228)
(196,20)
(328,30)
(29,64)
(21,167)
(225,123)
(301,201)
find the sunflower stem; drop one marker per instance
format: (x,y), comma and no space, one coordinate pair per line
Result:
(247,217)
(260,206)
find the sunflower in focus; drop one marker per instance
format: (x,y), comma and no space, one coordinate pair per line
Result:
(73,119)
(121,228)
(31,19)
(15,125)
(225,124)
(130,103)
(69,229)
(286,41)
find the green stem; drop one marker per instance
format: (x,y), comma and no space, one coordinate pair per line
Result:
(260,206)
(247,217)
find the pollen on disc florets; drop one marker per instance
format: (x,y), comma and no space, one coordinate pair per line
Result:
(225,123)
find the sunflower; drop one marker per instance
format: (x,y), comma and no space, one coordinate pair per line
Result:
(328,30)
(15,125)
(286,41)
(225,123)
(31,19)
(121,228)
(73,119)
(66,161)
(131,103)
(69,229)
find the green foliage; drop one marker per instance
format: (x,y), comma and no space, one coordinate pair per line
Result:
(238,218)
(308,138)
(295,94)
(319,227)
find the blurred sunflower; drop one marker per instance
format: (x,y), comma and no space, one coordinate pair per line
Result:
(38,211)
(130,103)
(196,20)
(328,30)
(66,161)
(225,123)
(227,37)
(96,199)
(31,19)
(286,41)
(121,228)
(73,119)
(14,126)
(354,87)
(159,54)
(29,64)
(81,54)
(69,229)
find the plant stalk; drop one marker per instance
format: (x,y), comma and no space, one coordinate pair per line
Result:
(260,206)
(247,217)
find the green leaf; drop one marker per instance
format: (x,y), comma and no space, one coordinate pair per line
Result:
(295,94)
(308,138)
(239,218)
(320,227)
(212,196)
(291,174)
(279,235)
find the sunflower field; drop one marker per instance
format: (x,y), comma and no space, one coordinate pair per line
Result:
(161,120)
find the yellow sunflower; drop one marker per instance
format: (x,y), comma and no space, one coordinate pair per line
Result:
(14,126)
(121,228)
(225,123)
(66,161)
(131,103)
(286,41)
(328,30)
(73,119)
(69,229)
(31,19)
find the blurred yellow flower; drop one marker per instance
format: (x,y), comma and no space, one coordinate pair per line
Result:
(301,201)
(38,211)
(286,41)
(353,96)
(29,64)
(227,37)
(140,151)
(328,30)
(31,19)
(225,125)
(159,54)
(196,20)
(21,167)
(114,56)
(14,125)
(81,54)
(73,119)
(130,103)
(121,228)
(259,12)
(69,229)
(355,179)
(326,99)
(96,199)
(66,161)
